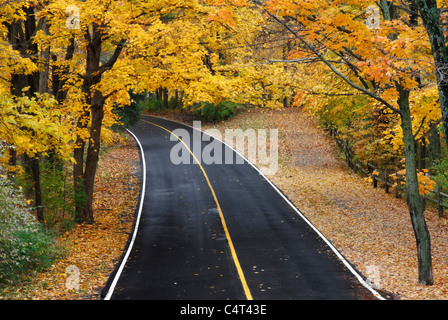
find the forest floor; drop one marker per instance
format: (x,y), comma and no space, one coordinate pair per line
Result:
(371,228)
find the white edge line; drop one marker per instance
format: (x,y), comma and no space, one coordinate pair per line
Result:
(338,254)
(134,235)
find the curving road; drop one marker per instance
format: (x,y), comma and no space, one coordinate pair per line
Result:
(222,231)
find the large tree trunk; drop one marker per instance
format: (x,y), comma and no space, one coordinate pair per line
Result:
(84,175)
(97,115)
(20,36)
(422,236)
(431,21)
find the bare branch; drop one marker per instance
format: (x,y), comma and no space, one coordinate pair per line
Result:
(420,128)
(294,60)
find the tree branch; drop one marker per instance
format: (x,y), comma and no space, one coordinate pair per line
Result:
(420,128)
(294,61)
(110,63)
(337,72)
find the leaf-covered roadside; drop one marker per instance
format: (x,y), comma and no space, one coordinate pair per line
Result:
(370,228)
(93,250)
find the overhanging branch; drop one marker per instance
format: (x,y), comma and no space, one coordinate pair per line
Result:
(328,63)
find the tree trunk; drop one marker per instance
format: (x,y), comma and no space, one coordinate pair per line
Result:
(58,82)
(415,201)
(165,98)
(20,36)
(35,169)
(422,151)
(422,236)
(84,176)
(78,171)
(97,113)
(434,149)
(431,20)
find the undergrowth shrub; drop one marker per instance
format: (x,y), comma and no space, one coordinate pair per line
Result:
(25,245)
(210,112)
(58,197)
(440,170)
(129,115)
(151,103)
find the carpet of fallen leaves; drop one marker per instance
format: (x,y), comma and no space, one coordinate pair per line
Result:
(371,228)
(93,251)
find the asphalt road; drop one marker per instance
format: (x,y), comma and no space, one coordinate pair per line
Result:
(222,231)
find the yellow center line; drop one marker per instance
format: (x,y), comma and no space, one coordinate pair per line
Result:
(221,215)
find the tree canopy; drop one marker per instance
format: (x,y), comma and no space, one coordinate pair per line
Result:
(376,72)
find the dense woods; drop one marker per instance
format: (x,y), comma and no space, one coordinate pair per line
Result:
(73,72)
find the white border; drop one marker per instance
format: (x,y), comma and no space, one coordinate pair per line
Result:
(338,254)
(134,235)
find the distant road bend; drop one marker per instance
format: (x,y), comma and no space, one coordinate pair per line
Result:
(222,231)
